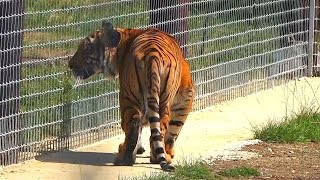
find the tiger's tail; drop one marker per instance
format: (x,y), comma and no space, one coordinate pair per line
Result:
(153,92)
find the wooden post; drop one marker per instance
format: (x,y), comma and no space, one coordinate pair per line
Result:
(11,24)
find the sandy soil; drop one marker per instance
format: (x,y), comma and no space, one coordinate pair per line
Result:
(299,161)
(216,132)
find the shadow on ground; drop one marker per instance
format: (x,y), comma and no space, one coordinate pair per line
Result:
(77,157)
(86,158)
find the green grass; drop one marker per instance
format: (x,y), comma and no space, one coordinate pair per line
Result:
(197,170)
(304,127)
(187,171)
(66,21)
(239,172)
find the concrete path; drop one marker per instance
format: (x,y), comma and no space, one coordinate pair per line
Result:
(214,132)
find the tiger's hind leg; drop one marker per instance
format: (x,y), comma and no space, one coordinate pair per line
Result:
(131,124)
(140,149)
(179,111)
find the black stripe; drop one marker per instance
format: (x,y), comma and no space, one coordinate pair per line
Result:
(162,159)
(155,131)
(170,141)
(154,120)
(138,77)
(150,50)
(166,84)
(173,134)
(156,138)
(159,150)
(182,114)
(176,123)
(153,107)
(153,57)
(153,104)
(178,109)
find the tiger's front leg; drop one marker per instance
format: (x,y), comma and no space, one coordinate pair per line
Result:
(131,125)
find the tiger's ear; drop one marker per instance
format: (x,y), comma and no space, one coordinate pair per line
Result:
(94,36)
(110,37)
(107,25)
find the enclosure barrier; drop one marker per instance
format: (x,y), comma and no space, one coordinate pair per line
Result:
(235,48)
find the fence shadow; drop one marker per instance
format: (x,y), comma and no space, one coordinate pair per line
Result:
(76,157)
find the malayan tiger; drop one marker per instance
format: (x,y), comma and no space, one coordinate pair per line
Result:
(156,87)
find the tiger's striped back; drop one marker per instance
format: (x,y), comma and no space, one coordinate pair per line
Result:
(160,77)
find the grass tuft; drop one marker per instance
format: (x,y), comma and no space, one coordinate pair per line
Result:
(156,176)
(196,170)
(189,171)
(239,172)
(305,127)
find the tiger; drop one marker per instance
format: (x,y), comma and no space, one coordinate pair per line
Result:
(156,86)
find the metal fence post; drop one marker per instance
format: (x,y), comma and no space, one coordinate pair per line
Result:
(174,16)
(312,8)
(11,25)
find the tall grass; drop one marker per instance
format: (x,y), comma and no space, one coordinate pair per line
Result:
(305,127)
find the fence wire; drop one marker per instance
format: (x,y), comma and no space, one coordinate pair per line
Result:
(316,53)
(234,48)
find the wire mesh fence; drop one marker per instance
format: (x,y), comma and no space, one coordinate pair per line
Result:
(317,39)
(234,48)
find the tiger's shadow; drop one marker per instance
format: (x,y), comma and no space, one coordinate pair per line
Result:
(86,158)
(77,157)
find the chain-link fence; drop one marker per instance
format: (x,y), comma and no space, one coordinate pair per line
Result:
(235,47)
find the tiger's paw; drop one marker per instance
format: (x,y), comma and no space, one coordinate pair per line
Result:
(154,160)
(140,150)
(124,157)
(168,168)
(170,151)
(120,147)
(124,160)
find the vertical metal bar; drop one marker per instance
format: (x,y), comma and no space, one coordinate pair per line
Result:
(11,25)
(312,8)
(316,59)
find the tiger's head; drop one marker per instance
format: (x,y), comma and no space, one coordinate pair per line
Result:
(89,57)
(95,56)
(110,38)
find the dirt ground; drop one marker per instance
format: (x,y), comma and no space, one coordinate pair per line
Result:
(299,161)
